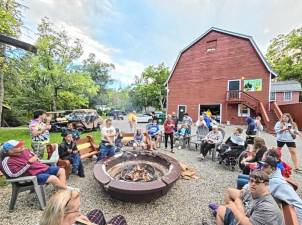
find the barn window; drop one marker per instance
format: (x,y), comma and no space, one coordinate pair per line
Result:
(211,46)
(288,96)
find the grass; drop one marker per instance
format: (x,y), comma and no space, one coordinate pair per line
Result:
(22,133)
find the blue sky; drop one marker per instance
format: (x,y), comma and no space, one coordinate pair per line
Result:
(133,34)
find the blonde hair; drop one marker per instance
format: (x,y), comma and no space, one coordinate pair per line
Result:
(57,206)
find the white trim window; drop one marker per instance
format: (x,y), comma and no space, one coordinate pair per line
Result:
(243,111)
(273,96)
(288,96)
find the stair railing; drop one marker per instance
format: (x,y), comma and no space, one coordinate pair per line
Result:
(264,114)
(276,110)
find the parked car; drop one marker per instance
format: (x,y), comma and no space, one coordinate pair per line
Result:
(57,120)
(144,118)
(116,114)
(85,119)
(161,117)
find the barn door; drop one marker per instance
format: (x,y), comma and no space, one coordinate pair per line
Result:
(181,111)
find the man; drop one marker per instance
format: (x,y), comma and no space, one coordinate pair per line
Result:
(261,209)
(68,151)
(107,148)
(132,118)
(279,187)
(19,161)
(39,132)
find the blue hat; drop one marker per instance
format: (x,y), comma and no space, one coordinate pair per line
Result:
(10,145)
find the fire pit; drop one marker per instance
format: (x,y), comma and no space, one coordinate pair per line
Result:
(137,176)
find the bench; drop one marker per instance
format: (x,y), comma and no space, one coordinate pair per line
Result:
(289,214)
(87,147)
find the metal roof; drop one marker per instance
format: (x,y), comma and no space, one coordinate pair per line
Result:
(287,85)
(250,38)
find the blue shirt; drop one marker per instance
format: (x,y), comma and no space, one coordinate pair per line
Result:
(152,129)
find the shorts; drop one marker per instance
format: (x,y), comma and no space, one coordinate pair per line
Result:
(154,138)
(229,218)
(280,144)
(43,177)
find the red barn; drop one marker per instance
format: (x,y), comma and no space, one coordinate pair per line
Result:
(225,72)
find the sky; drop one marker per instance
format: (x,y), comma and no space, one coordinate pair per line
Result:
(133,34)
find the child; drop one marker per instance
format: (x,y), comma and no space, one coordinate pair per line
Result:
(68,151)
(153,131)
(70,128)
(138,140)
(182,134)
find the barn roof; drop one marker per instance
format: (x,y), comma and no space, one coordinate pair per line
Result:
(250,38)
(287,85)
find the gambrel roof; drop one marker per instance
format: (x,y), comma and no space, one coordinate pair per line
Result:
(250,38)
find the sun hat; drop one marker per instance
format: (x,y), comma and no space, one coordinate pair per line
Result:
(11,144)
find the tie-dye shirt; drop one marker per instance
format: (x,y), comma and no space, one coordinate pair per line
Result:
(36,125)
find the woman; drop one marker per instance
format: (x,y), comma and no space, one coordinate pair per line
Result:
(202,129)
(255,154)
(287,131)
(63,208)
(138,139)
(212,138)
(169,126)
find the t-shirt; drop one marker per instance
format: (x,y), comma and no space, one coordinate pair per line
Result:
(36,125)
(187,120)
(108,131)
(284,136)
(264,211)
(153,129)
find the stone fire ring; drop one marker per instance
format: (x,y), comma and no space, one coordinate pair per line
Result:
(138,191)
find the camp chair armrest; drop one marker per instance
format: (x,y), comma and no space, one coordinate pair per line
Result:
(23,179)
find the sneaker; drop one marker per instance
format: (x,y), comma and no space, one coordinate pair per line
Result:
(213,207)
(172,151)
(165,148)
(201,156)
(179,147)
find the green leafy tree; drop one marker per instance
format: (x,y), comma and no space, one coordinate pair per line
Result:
(285,55)
(100,73)
(10,23)
(149,89)
(52,78)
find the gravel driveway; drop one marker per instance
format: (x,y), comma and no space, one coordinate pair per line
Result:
(185,204)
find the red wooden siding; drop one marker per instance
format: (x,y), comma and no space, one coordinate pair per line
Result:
(201,77)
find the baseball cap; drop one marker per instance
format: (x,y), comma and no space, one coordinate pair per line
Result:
(271,161)
(11,144)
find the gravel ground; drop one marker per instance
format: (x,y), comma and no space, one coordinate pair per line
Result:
(186,203)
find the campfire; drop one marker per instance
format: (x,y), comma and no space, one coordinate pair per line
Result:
(141,172)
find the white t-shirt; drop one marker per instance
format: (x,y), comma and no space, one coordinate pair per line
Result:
(107,131)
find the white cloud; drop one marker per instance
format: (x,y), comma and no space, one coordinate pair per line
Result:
(75,19)
(126,71)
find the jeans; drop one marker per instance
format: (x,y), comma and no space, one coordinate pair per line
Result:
(106,151)
(166,140)
(242,180)
(76,163)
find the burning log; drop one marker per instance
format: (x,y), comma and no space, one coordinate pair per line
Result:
(138,172)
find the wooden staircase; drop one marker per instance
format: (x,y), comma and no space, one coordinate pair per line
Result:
(269,117)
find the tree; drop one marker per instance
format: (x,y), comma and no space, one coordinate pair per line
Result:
(100,74)
(10,23)
(51,78)
(151,86)
(285,55)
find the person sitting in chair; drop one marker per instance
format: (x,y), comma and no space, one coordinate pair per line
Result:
(63,208)
(182,135)
(212,138)
(18,161)
(138,139)
(236,139)
(107,148)
(153,131)
(202,128)
(68,151)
